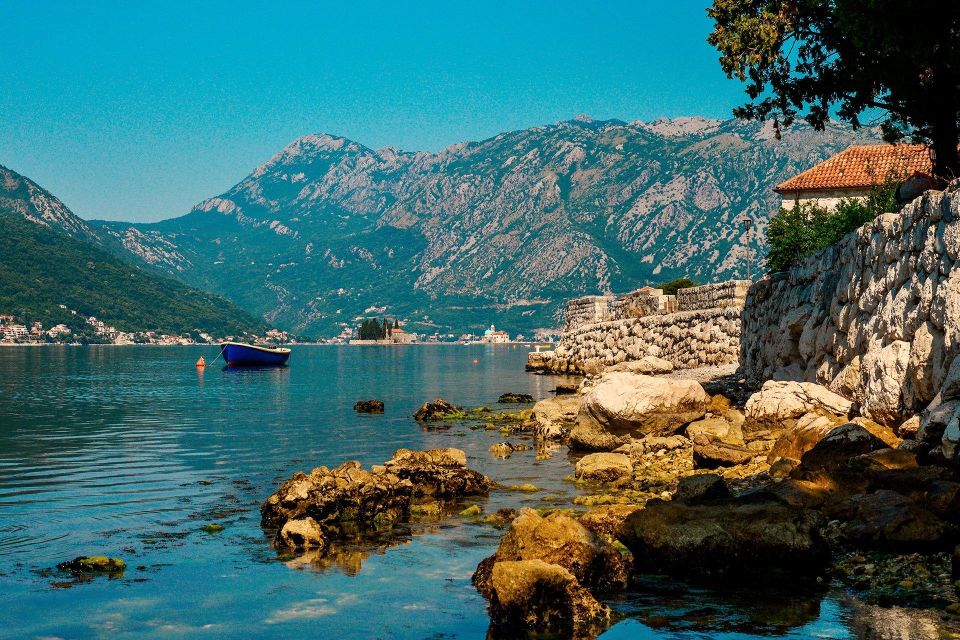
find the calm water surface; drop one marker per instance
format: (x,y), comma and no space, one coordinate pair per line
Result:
(129,451)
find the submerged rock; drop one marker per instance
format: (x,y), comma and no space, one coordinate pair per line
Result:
(369,406)
(438,409)
(502,449)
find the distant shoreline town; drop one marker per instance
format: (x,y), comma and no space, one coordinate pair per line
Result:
(93,331)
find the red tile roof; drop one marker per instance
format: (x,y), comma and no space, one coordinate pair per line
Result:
(862,166)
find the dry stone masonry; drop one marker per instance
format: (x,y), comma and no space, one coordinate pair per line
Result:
(698,327)
(875,318)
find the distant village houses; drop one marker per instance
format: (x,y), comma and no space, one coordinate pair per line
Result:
(853,172)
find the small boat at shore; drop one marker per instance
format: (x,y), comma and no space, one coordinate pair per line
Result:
(238,354)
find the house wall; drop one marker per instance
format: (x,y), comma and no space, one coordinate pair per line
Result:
(826,199)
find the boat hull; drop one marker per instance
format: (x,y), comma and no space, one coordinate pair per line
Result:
(247,355)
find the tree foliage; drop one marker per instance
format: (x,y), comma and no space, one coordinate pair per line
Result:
(671,288)
(807,228)
(373,329)
(855,58)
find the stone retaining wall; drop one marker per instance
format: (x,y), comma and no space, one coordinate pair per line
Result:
(876,318)
(647,323)
(687,339)
(732,293)
(587,310)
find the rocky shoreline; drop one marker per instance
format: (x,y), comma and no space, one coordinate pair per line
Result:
(789,486)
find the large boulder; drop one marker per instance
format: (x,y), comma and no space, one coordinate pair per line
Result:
(589,435)
(628,403)
(554,417)
(538,596)
(891,521)
(606,520)
(795,441)
(828,461)
(720,539)
(778,401)
(719,454)
(561,540)
(604,467)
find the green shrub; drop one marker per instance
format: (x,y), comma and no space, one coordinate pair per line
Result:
(807,228)
(671,288)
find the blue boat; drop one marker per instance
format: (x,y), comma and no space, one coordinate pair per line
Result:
(238,354)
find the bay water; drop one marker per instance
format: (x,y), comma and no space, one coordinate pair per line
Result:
(130,451)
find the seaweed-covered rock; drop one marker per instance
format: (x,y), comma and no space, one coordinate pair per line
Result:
(502,449)
(888,520)
(515,398)
(440,473)
(347,493)
(561,540)
(606,520)
(542,597)
(437,409)
(373,499)
(369,406)
(94,565)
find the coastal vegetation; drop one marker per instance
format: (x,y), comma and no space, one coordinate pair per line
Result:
(809,227)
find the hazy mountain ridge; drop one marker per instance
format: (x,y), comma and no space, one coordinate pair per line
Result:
(501,230)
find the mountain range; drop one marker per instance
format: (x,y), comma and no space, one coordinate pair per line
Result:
(504,230)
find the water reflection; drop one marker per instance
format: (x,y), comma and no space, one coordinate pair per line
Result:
(665,604)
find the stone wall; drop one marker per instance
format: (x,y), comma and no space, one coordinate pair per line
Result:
(687,339)
(876,318)
(586,310)
(699,328)
(732,293)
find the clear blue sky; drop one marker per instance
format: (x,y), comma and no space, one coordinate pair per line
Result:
(137,113)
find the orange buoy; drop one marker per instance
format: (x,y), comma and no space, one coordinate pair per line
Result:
(201,363)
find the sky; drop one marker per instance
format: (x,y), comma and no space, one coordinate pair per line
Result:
(137,111)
